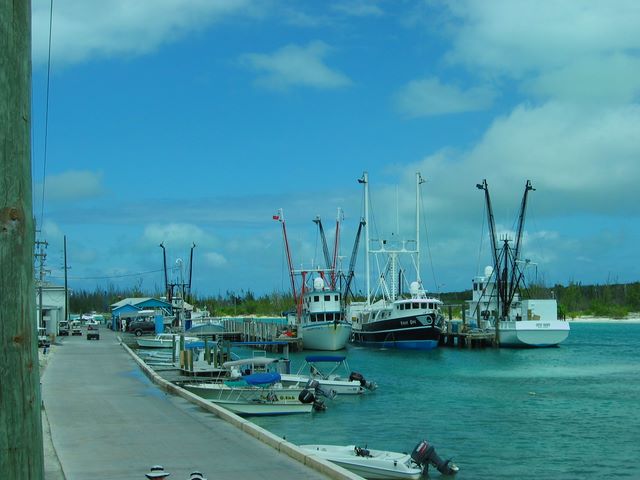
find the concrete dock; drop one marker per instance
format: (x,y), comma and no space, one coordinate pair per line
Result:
(108,420)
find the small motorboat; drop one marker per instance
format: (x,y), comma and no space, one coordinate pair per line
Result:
(258,394)
(332,373)
(380,464)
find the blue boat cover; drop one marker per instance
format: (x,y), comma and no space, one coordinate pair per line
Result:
(324,358)
(262,378)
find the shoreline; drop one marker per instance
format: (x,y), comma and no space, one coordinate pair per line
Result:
(625,321)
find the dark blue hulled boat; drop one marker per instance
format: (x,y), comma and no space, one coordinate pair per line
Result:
(388,318)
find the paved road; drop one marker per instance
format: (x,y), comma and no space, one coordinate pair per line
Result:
(109,421)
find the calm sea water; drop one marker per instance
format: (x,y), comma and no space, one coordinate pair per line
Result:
(562,413)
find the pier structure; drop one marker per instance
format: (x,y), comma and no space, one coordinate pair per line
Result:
(458,333)
(123,417)
(264,333)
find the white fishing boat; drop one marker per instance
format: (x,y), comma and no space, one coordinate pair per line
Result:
(528,323)
(381,464)
(256,394)
(319,312)
(388,318)
(163,340)
(332,374)
(497,304)
(322,322)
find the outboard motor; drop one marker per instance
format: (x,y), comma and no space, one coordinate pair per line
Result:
(306,396)
(425,454)
(363,382)
(319,390)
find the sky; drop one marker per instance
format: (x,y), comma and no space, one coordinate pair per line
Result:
(194,121)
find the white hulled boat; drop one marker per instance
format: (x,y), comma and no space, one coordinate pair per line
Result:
(322,324)
(319,311)
(497,305)
(332,373)
(382,464)
(255,394)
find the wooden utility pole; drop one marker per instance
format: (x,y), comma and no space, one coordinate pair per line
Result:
(21,451)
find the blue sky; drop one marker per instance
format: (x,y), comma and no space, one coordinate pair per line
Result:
(194,121)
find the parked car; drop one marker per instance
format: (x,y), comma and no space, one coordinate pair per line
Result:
(63,328)
(93,332)
(75,328)
(138,327)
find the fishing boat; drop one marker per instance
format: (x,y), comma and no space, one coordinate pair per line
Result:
(497,305)
(319,312)
(388,318)
(332,374)
(381,464)
(257,394)
(163,340)
(322,322)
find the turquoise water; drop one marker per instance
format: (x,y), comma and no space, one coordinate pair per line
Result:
(561,413)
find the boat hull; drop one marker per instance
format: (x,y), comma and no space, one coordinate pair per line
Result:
(341,387)
(326,336)
(380,465)
(531,334)
(221,391)
(406,333)
(264,408)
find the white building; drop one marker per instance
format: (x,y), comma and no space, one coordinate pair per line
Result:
(53,307)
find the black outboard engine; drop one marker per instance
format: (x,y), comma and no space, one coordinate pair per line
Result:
(306,396)
(363,383)
(424,455)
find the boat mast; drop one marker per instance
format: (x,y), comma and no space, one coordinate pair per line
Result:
(352,261)
(419,181)
(496,261)
(336,247)
(365,180)
(514,282)
(280,218)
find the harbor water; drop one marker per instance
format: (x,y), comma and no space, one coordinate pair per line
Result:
(558,413)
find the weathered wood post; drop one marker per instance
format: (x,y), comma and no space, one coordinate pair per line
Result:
(21,450)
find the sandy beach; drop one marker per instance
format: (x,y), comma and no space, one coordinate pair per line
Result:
(635,318)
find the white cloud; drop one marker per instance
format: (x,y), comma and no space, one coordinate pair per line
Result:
(72,185)
(105,28)
(215,259)
(516,37)
(431,97)
(583,52)
(582,161)
(175,235)
(591,80)
(294,65)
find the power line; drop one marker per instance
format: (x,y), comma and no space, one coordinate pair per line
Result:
(107,277)
(46,117)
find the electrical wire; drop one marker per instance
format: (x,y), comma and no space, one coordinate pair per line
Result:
(46,116)
(107,277)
